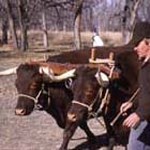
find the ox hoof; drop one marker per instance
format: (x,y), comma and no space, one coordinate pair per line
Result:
(112,143)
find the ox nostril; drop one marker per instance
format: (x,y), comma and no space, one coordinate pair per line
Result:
(20,112)
(71,117)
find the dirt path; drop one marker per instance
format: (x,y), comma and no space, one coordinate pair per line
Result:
(39,130)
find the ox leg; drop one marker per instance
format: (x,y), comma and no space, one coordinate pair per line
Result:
(90,135)
(111,134)
(67,134)
(111,143)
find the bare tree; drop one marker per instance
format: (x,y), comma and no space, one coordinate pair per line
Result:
(23,20)
(45,33)
(4,24)
(129,18)
(77,24)
(12,25)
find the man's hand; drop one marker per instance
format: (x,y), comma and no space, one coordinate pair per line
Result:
(125,106)
(132,121)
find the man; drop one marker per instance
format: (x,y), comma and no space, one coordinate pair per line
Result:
(139,121)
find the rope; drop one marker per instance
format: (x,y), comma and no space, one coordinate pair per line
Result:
(104,100)
(99,121)
(82,104)
(87,106)
(30,97)
(37,97)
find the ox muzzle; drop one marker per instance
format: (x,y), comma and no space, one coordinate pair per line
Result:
(37,105)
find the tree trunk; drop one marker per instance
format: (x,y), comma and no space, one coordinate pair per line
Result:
(23,17)
(12,26)
(45,33)
(4,32)
(77,22)
(129,19)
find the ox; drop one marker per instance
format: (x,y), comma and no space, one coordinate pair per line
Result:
(126,61)
(85,88)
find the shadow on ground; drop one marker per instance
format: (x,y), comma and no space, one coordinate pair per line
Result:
(100,141)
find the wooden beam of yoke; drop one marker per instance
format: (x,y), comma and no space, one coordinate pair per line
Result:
(60,68)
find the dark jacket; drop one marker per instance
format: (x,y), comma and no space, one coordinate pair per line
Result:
(143,109)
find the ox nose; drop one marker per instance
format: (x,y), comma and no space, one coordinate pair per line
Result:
(71,117)
(20,112)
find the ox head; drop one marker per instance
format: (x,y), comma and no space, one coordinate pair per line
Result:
(32,84)
(86,87)
(29,84)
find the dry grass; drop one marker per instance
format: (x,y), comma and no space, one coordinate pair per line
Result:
(64,40)
(58,42)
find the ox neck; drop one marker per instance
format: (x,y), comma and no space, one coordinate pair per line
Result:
(90,107)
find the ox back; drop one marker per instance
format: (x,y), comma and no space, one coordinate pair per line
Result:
(82,56)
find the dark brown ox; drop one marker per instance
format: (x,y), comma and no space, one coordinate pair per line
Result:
(85,89)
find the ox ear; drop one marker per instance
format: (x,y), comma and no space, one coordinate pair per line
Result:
(102,79)
(9,71)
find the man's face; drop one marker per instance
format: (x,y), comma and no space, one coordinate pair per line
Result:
(142,49)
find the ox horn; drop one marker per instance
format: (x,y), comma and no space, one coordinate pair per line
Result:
(9,71)
(56,78)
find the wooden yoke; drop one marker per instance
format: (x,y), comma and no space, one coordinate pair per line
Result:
(60,68)
(111,56)
(112,66)
(105,100)
(107,95)
(95,60)
(93,53)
